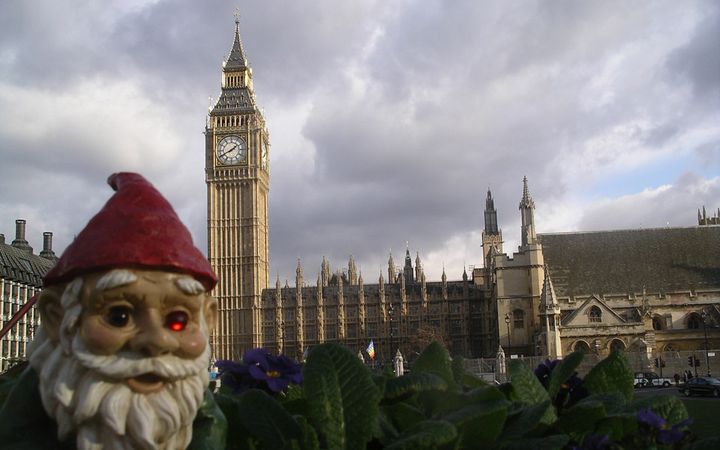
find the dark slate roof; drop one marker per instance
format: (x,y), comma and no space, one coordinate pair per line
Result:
(236,60)
(624,261)
(234,101)
(23,266)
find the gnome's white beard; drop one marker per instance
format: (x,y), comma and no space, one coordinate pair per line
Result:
(87,394)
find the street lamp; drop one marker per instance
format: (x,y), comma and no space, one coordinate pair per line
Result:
(507,322)
(704,316)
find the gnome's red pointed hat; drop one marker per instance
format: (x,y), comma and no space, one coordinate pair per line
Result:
(137,228)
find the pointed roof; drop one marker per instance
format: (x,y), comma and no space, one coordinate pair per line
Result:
(548,299)
(526,202)
(615,318)
(489,202)
(236,59)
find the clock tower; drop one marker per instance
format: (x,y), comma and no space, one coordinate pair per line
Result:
(237,174)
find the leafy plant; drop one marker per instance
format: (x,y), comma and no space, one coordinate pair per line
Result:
(342,405)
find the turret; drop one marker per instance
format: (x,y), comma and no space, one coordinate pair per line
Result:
(550,314)
(491,223)
(408,269)
(527,206)
(491,235)
(418,267)
(392,276)
(325,271)
(299,277)
(352,271)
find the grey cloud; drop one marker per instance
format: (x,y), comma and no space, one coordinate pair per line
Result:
(461,96)
(698,61)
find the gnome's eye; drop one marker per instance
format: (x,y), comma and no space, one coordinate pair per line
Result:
(118,316)
(176,320)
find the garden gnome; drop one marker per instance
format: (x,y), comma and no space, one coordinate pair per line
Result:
(121,358)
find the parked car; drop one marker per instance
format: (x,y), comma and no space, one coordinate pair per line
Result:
(651,379)
(701,386)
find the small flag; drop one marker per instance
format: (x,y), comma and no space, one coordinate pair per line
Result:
(371,350)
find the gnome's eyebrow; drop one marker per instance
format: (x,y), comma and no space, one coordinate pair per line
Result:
(115,278)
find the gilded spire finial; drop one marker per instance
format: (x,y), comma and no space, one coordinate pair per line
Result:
(237,15)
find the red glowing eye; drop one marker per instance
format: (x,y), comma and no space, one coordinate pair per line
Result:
(176,321)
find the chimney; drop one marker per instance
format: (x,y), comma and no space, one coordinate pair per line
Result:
(47,251)
(20,241)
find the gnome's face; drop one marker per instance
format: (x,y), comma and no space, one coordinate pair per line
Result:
(123,357)
(151,316)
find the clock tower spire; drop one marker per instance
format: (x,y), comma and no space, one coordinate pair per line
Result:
(237,174)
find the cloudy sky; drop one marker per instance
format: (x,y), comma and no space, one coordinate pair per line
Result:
(389,120)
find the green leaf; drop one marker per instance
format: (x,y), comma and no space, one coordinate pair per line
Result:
(471,381)
(668,407)
(613,402)
(554,442)
(210,425)
(428,434)
(581,418)
(617,426)
(485,393)
(342,397)
(238,437)
(563,371)
(479,423)
(712,443)
(309,439)
(529,389)
(403,415)
(612,374)
(436,360)
(411,383)
(525,420)
(267,420)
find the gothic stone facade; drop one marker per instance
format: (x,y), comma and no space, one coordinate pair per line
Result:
(341,308)
(648,290)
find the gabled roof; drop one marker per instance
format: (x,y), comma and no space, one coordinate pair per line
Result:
(22,266)
(626,261)
(594,300)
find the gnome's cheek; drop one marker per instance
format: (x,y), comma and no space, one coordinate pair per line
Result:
(192,344)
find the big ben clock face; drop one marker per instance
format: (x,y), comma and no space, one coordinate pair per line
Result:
(231,150)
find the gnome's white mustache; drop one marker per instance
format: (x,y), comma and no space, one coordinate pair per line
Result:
(128,364)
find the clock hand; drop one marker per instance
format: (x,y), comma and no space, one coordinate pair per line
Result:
(228,150)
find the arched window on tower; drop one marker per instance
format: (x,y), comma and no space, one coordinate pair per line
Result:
(694,322)
(594,314)
(657,323)
(518,318)
(616,345)
(581,346)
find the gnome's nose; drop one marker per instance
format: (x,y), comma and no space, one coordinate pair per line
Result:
(154,339)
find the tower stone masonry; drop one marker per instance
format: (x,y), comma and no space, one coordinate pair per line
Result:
(237,173)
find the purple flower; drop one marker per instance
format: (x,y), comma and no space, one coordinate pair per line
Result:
(596,442)
(571,390)
(276,371)
(544,370)
(236,376)
(665,434)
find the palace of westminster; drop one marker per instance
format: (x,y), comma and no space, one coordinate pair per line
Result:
(650,290)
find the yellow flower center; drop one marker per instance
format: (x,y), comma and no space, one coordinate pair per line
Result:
(273,373)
